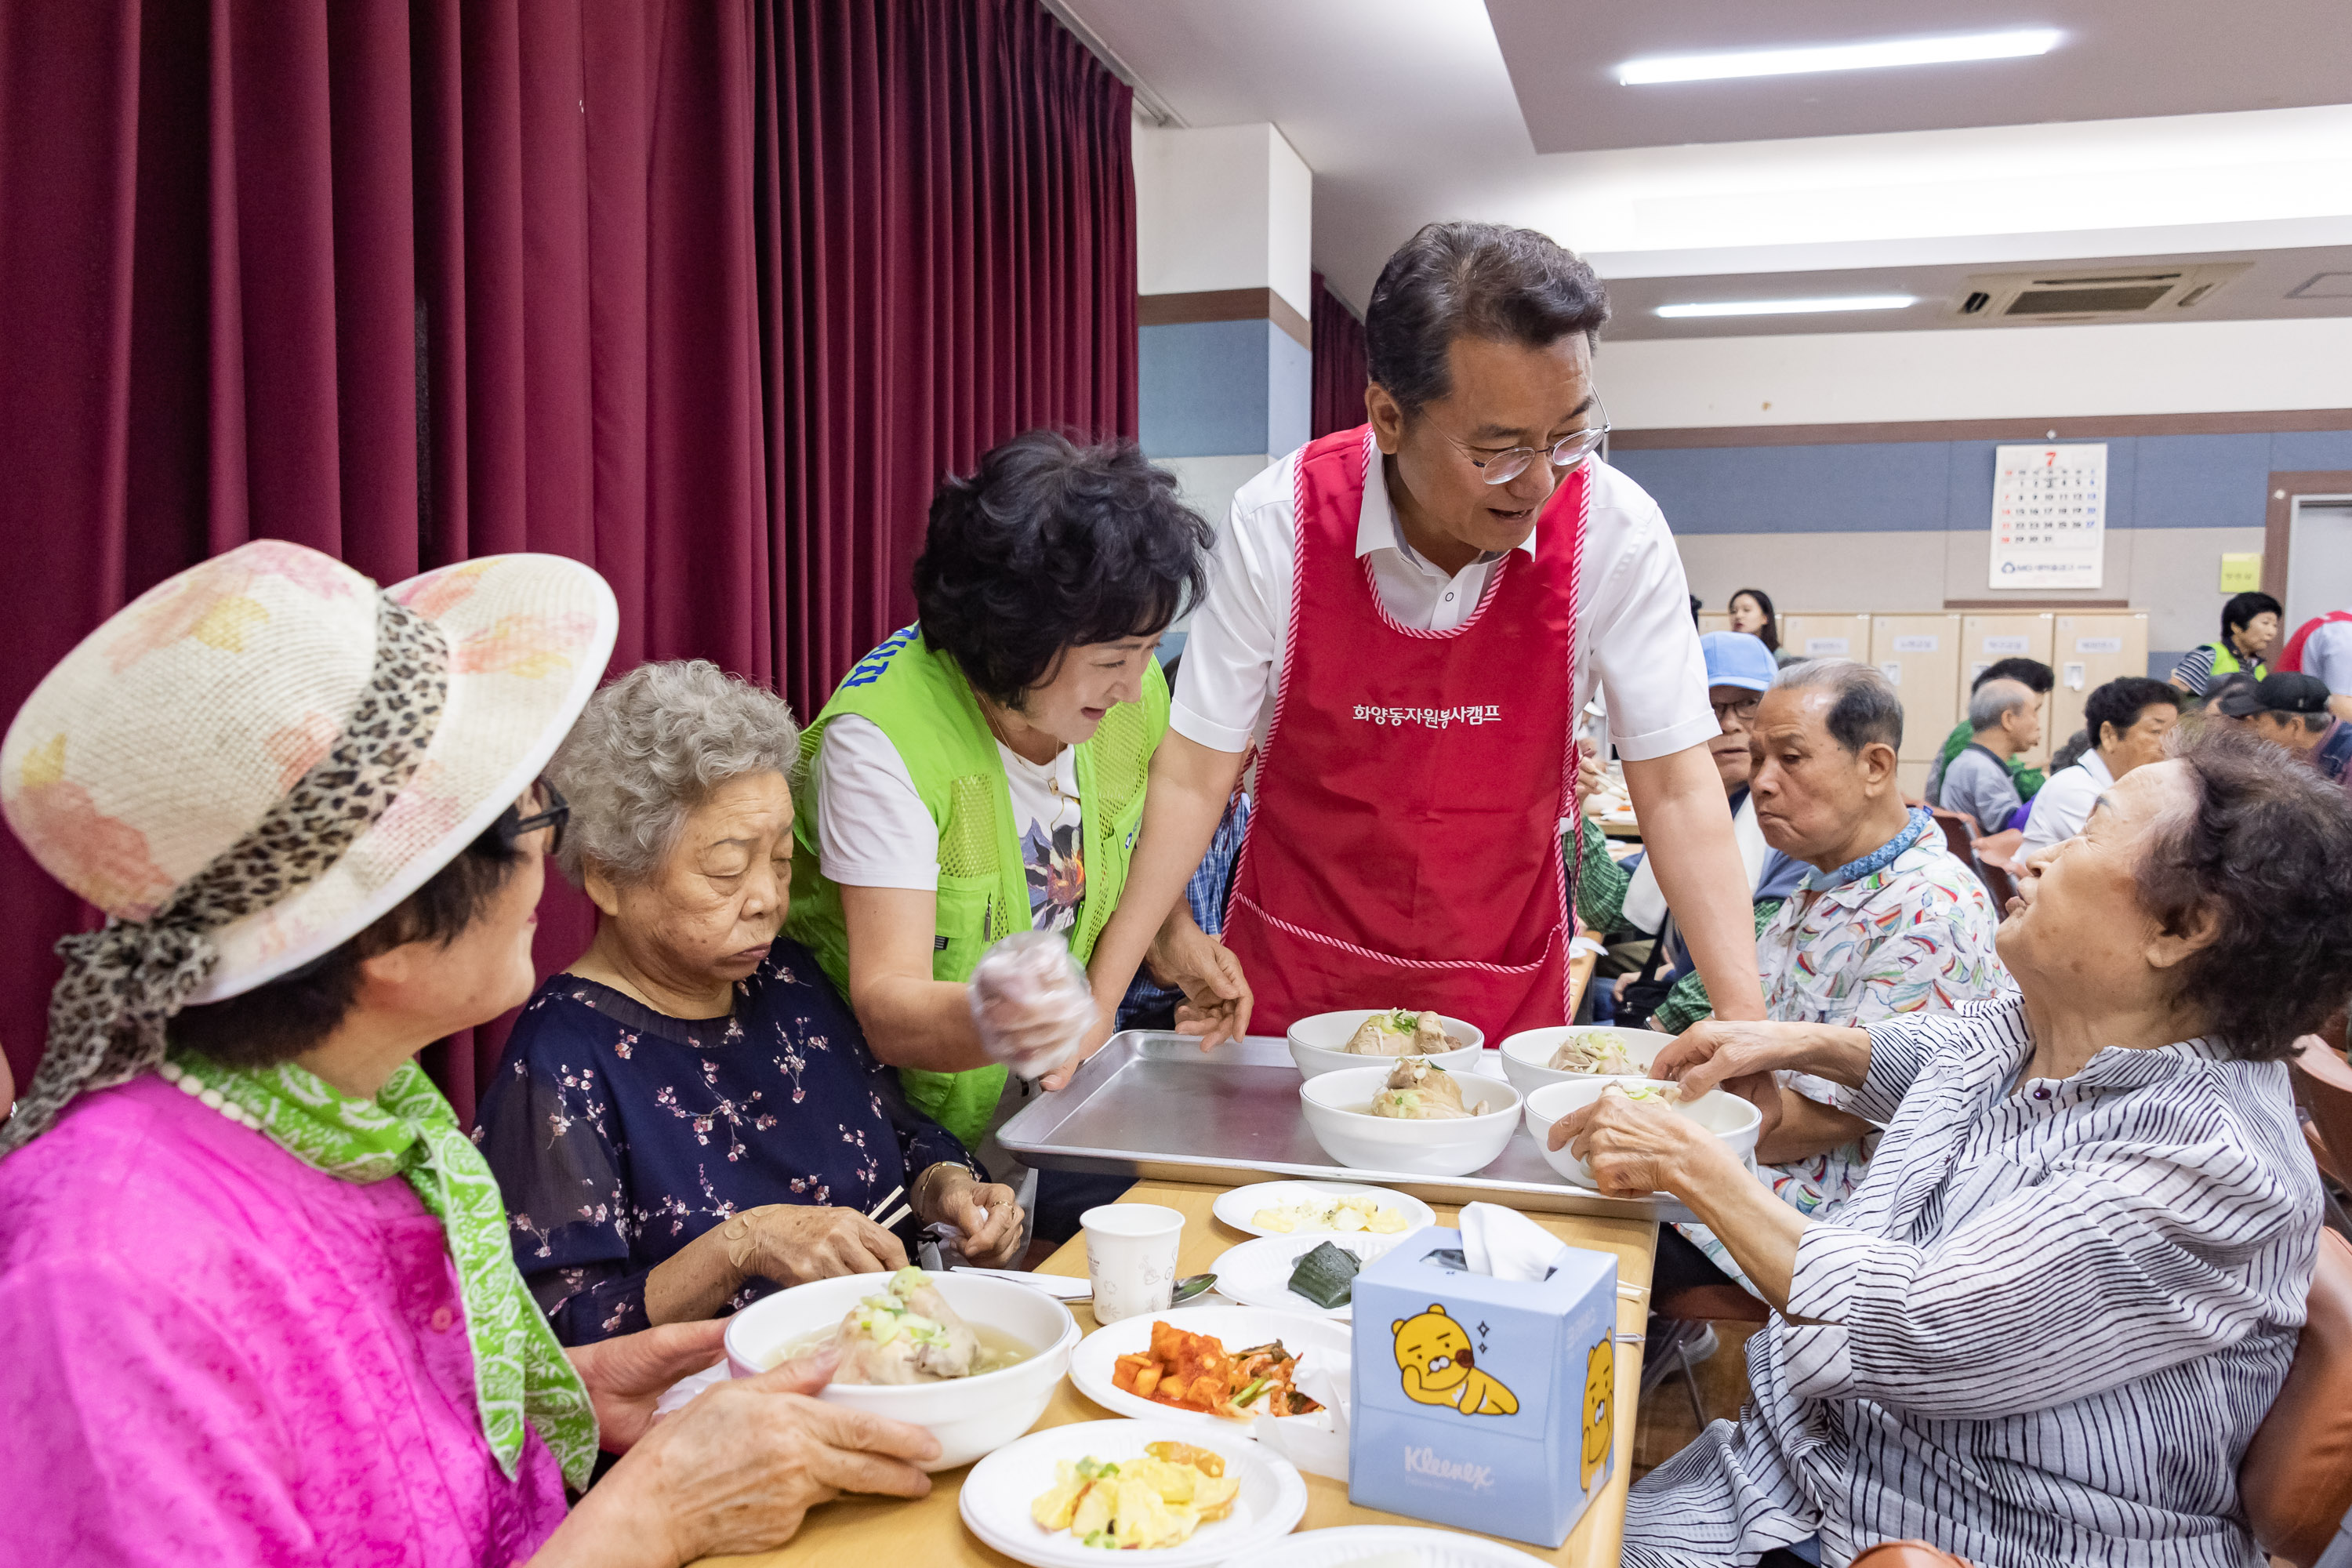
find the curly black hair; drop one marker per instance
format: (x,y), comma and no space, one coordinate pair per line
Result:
(2267,851)
(1052,546)
(1473,280)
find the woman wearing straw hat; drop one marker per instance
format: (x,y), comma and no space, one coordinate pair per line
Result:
(312,811)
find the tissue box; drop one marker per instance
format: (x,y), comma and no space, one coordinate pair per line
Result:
(1482,1403)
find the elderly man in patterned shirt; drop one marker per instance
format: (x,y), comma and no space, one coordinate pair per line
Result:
(1886,923)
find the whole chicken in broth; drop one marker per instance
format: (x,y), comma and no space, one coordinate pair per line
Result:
(907,1335)
(1402,1033)
(1416,1091)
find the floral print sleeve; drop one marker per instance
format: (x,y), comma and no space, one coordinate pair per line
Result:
(619,1135)
(546,1128)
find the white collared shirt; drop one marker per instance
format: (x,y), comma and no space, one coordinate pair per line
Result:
(2064,803)
(1633,610)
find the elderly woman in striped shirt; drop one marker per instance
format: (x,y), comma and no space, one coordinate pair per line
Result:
(2046,1326)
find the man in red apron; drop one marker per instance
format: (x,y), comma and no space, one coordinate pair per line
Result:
(1413,613)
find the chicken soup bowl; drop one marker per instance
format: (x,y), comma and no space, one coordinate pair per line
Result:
(1527,1055)
(1318,1043)
(1337,1106)
(1727,1116)
(971,1416)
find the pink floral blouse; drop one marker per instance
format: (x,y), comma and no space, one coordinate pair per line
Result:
(217,1356)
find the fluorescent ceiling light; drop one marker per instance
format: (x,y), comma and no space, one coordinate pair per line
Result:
(1839,57)
(1791,307)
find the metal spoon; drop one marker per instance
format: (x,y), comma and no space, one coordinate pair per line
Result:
(1192,1285)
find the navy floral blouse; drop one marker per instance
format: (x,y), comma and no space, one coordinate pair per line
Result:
(619,1134)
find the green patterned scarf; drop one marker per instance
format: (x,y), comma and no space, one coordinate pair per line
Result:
(521,1372)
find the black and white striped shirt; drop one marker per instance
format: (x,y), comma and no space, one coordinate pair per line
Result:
(2043,1331)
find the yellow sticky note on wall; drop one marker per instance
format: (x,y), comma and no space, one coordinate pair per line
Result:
(2240,574)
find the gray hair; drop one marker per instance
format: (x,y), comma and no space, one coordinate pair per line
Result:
(1866,710)
(1996,700)
(651,747)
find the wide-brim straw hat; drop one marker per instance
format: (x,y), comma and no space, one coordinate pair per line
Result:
(182,767)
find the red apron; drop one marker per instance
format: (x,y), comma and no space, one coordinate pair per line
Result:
(1404,848)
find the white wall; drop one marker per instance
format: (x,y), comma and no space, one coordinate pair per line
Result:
(1995,373)
(1227,206)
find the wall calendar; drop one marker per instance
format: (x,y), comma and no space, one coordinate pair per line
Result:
(2049,516)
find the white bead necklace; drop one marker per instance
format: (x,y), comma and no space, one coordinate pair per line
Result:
(171,1072)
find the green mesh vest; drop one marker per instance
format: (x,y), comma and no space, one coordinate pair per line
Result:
(919,699)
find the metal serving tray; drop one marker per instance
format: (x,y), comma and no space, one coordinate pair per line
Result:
(1155,1105)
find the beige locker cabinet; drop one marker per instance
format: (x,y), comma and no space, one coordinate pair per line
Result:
(1921,655)
(2089,651)
(1714,621)
(1987,640)
(1811,636)
(1913,776)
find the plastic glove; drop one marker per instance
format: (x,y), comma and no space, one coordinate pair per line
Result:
(1031,1003)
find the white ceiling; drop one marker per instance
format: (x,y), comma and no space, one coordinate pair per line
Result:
(1408,111)
(2116,59)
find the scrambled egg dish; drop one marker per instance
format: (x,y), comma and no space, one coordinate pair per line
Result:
(1138,1504)
(1357,1211)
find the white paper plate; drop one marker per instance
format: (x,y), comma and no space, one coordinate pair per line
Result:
(1257,1273)
(1236,1207)
(1238,1328)
(1356,1542)
(997,1494)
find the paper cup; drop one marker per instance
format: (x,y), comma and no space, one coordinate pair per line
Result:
(1131,1258)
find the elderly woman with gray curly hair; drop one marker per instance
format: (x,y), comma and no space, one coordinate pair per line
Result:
(687,1117)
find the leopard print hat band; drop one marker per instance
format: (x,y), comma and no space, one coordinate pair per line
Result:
(122,983)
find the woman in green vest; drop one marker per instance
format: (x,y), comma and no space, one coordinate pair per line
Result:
(981,771)
(2250,624)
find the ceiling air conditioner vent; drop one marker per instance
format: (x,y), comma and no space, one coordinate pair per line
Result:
(2113,294)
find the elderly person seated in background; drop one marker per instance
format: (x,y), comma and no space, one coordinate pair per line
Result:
(2048,1324)
(2004,723)
(2250,624)
(1614,898)
(2127,721)
(254,1281)
(1886,922)
(2029,780)
(687,1117)
(2291,710)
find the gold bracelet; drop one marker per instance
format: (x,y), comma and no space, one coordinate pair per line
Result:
(922,1197)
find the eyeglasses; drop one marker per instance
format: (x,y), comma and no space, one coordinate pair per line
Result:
(1742,708)
(551,810)
(1569,452)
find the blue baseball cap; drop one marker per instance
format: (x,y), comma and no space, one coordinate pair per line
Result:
(1735,658)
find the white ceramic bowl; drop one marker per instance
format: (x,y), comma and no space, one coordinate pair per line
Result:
(1526,1054)
(1334,1107)
(1318,1042)
(968,1415)
(1729,1117)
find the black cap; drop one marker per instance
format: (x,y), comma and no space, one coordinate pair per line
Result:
(2288,692)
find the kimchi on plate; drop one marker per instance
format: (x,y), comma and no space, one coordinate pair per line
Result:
(1196,1371)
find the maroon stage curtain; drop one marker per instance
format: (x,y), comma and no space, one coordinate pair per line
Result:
(1338,396)
(706,294)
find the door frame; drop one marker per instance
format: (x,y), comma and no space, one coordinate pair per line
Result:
(2279,520)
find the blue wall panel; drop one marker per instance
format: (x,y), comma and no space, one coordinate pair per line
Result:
(2201,482)
(2308,450)
(1201,388)
(1290,393)
(1892,486)
(1896,485)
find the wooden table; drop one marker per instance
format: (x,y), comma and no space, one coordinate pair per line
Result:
(872,1532)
